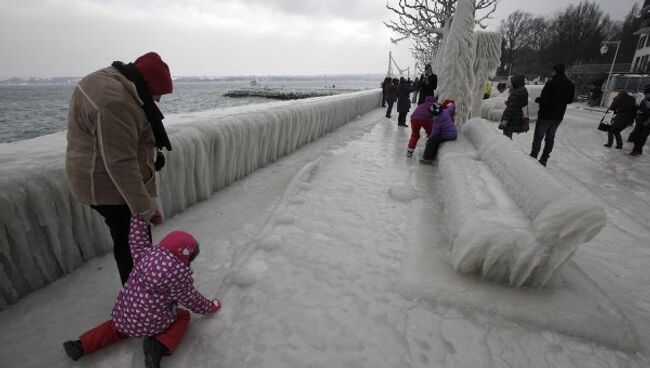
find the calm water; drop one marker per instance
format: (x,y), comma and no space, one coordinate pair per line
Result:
(31,111)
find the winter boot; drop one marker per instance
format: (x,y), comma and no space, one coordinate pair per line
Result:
(426,162)
(153,352)
(409,154)
(74,349)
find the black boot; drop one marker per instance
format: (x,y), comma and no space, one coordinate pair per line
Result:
(153,352)
(73,349)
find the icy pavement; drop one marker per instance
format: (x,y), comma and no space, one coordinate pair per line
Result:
(334,257)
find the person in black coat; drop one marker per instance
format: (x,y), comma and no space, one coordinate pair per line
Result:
(624,108)
(513,115)
(428,84)
(390,93)
(557,93)
(404,90)
(642,128)
(383,93)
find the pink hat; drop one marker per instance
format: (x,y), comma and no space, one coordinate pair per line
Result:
(155,73)
(182,245)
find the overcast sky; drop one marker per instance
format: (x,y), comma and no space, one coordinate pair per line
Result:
(48,38)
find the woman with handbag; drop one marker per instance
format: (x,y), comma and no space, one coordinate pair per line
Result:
(624,108)
(512,120)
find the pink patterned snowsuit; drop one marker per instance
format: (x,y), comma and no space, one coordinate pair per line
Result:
(160,279)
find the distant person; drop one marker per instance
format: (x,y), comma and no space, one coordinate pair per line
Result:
(383,91)
(416,89)
(443,129)
(624,108)
(595,94)
(114,128)
(390,93)
(420,119)
(428,84)
(501,87)
(404,90)
(513,115)
(642,127)
(557,93)
(147,306)
(487,90)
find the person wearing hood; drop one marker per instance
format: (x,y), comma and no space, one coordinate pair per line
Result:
(420,118)
(147,305)
(443,129)
(404,90)
(642,127)
(624,108)
(557,93)
(513,115)
(115,132)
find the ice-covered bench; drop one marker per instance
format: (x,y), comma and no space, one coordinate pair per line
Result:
(508,220)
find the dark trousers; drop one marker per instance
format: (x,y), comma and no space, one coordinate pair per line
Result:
(635,132)
(544,129)
(431,150)
(118,218)
(640,138)
(615,132)
(383,99)
(401,119)
(390,108)
(507,132)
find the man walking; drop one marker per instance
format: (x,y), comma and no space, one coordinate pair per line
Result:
(557,93)
(114,127)
(642,127)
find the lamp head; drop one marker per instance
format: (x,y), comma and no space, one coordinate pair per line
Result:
(604,49)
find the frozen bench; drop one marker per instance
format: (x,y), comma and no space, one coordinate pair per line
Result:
(508,220)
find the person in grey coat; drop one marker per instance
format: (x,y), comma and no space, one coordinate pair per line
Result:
(404,90)
(513,115)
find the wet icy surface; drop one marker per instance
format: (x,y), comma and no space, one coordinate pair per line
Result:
(334,257)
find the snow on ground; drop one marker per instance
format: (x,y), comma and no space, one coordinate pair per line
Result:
(334,256)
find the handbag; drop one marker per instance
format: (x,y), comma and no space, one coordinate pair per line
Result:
(603,125)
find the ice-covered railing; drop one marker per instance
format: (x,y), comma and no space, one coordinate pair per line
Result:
(45,233)
(283,93)
(507,219)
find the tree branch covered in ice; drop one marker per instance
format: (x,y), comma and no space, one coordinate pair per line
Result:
(426,22)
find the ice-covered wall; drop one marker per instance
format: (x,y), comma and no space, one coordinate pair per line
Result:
(45,233)
(508,220)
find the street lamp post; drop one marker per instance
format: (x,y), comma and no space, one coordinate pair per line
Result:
(603,50)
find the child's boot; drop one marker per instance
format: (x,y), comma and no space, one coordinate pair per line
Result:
(74,349)
(153,352)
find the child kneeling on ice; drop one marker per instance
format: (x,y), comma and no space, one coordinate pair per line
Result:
(420,118)
(147,305)
(443,129)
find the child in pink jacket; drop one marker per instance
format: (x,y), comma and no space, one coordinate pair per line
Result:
(147,305)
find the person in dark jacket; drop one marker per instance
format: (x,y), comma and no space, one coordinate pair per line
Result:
(416,89)
(383,93)
(642,128)
(557,93)
(624,108)
(390,93)
(513,115)
(428,84)
(404,90)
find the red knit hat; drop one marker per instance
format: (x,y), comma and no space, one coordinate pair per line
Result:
(181,244)
(155,73)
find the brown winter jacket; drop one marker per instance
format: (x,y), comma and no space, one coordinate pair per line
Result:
(111,147)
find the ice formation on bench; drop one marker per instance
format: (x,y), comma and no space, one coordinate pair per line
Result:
(507,219)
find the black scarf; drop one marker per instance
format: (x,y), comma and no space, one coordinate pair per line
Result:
(151,111)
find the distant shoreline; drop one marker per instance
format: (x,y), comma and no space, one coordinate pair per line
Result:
(32,81)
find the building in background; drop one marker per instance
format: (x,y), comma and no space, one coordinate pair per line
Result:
(640,62)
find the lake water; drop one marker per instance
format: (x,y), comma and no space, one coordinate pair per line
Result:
(28,111)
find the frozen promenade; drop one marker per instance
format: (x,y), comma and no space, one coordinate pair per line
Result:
(334,257)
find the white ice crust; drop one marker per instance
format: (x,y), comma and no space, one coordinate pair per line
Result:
(45,233)
(509,220)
